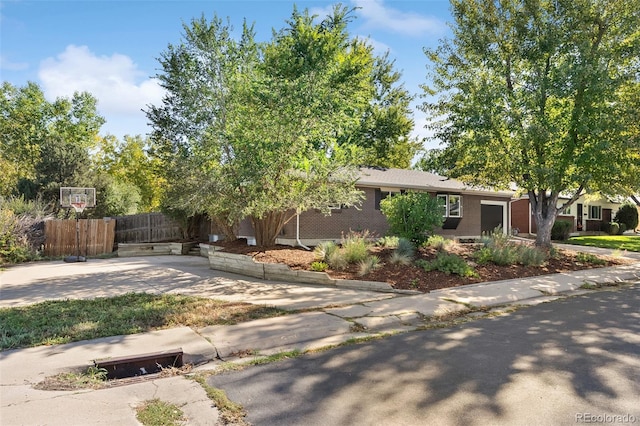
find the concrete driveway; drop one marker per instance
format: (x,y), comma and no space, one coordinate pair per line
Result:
(188,275)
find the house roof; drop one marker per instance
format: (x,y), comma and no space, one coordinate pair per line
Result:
(419,180)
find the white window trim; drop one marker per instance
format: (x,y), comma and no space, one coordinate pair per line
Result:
(590,217)
(459,207)
(447,213)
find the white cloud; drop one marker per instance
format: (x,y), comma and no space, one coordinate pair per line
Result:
(379,16)
(116,81)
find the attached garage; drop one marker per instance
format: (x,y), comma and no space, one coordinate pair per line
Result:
(492,215)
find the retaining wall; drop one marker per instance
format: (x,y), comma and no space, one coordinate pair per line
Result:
(246,265)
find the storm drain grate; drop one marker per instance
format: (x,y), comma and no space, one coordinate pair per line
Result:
(140,365)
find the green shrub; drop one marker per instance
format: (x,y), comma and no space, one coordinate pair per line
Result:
(399,258)
(561,230)
(319,266)
(336,260)
(627,214)
(368,265)
(449,264)
(506,255)
(495,238)
(590,258)
(405,247)
(20,206)
(14,238)
(622,228)
(483,256)
(323,250)
(388,241)
(611,228)
(412,215)
(531,256)
(438,242)
(355,247)
(502,252)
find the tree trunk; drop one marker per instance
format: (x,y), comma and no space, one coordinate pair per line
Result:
(267,228)
(230,232)
(544,209)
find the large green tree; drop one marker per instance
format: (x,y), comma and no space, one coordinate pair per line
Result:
(254,130)
(541,93)
(45,144)
(386,124)
(131,167)
(24,113)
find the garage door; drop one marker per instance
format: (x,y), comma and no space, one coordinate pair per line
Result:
(491,216)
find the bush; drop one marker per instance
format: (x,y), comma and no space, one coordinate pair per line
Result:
(531,256)
(560,230)
(319,266)
(20,236)
(627,215)
(398,258)
(412,215)
(449,264)
(323,250)
(355,247)
(368,265)
(337,261)
(405,247)
(388,241)
(499,250)
(438,242)
(590,258)
(610,228)
(622,228)
(496,237)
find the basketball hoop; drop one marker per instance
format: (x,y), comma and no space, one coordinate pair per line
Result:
(78,202)
(78,199)
(79,207)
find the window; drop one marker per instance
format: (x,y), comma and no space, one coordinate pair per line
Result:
(442,201)
(595,212)
(567,211)
(455,206)
(382,194)
(451,205)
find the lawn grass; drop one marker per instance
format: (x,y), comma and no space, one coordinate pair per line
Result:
(615,242)
(64,321)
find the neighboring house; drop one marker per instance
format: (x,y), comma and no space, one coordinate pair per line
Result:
(587,214)
(468,211)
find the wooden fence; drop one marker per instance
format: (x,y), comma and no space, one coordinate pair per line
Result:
(147,228)
(96,237)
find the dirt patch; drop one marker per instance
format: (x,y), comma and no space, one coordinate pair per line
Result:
(414,278)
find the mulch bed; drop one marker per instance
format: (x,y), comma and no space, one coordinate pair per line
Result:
(412,277)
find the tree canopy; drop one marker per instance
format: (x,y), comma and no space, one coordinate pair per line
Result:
(544,94)
(45,144)
(258,130)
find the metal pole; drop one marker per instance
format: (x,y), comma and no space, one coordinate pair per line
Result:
(77,238)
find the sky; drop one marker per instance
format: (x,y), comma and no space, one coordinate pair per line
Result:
(110,47)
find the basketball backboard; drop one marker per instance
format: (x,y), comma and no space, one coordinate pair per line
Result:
(72,197)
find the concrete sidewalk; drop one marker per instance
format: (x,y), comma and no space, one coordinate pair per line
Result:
(341,315)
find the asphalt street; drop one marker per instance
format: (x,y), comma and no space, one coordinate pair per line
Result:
(571,361)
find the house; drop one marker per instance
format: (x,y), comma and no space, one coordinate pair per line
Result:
(587,214)
(468,211)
